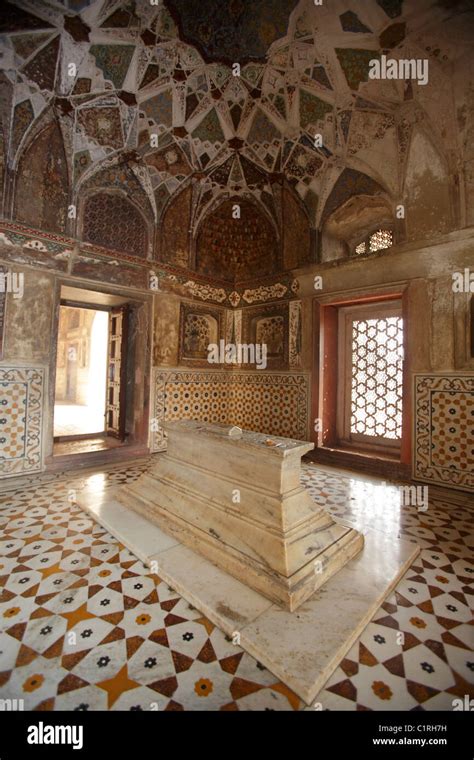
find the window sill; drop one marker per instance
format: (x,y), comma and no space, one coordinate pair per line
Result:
(370,462)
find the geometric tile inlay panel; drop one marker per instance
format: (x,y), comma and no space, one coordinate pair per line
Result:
(21,400)
(274,404)
(444,429)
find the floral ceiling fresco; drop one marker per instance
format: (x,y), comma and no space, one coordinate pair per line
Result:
(150,94)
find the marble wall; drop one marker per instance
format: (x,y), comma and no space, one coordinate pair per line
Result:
(272,400)
(278,325)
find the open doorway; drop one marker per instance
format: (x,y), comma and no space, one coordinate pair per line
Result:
(90,401)
(99,402)
(81,372)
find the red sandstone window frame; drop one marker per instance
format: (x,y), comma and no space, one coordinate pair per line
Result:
(346,315)
(324,398)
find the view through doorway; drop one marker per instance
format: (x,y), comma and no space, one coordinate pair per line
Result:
(81,372)
(90,402)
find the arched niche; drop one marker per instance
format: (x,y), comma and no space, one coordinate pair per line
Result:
(427,192)
(356,205)
(111,220)
(350,183)
(41,191)
(236,241)
(352,222)
(199,330)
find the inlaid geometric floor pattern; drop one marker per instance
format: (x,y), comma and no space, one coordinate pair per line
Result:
(84,625)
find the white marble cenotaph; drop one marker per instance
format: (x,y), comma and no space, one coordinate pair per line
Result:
(235,497)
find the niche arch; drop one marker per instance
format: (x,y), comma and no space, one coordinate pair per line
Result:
(109,218)
(42,183)
(233,249)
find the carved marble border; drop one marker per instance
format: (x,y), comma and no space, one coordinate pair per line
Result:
(425,432)
(295,337)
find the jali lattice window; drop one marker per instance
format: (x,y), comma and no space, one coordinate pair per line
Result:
(371,374)
(377,241)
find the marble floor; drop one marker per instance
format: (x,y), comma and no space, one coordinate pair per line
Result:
(77,419)
(84,625)
(85,445)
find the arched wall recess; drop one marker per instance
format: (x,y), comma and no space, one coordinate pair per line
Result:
(359,216)
(426,190)
(235,240)
(42,183)
(108,218)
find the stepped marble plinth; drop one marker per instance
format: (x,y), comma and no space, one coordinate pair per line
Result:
(236,498)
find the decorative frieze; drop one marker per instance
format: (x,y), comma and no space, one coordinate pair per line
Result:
(264,293)
(89,260)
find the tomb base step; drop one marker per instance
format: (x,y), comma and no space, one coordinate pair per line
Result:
(340,544)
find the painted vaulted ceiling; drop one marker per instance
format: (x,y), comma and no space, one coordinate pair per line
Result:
(144,93)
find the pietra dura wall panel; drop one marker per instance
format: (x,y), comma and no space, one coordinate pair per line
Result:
(444,430)
(273,403)
(21,420)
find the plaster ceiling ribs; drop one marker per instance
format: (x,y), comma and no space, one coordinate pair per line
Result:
(236,31)
(16,19)
(166,73)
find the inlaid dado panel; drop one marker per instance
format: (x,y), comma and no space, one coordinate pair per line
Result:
(21,415)
(275,404)
(444,430)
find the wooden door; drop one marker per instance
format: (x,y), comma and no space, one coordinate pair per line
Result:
(117,372)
